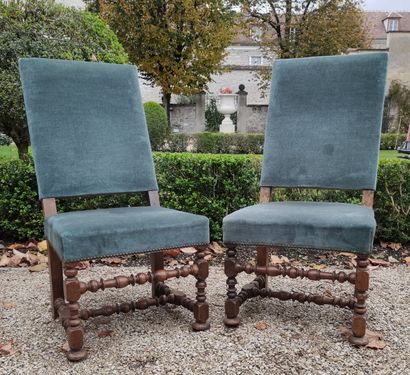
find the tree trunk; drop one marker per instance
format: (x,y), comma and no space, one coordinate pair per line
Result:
(166,101)
(22,148)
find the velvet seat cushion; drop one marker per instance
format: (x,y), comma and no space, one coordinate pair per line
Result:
(91,234)
(320,225)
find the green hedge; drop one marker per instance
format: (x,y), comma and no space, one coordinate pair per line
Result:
(216,143)
(390,141)
(211,185)
(241,143)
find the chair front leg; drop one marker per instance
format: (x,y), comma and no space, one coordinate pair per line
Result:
(55,270)
(74,330)
(231,303)
(359,337)
(201,307)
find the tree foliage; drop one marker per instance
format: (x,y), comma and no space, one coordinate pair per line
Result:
(300,28)
(42,28)
(399,96)
(177,44)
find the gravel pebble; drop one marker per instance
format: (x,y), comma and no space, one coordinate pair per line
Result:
(299,339)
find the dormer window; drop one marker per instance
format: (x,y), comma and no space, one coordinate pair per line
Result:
(393,24)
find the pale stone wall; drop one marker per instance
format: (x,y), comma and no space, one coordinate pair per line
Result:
(399,61)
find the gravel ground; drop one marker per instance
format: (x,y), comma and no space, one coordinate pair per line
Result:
(299,339)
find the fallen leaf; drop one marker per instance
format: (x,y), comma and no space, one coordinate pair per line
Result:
(317,266)
(217,248)
(379,262)
(295,263)
(328,293)
(172,252)
(278,260)
(208,257)
(261,326)
(8,305)
(32,259)
(42,245)
(65,347)
(42,258)
(114,261)
(392,259)
(391,245)
(7,348)
(349,255)
(16,246)
(31,245)
(82,265)
(38,267)
(105,333)
(5,260)
(406,259)
(376,340)
(188,250)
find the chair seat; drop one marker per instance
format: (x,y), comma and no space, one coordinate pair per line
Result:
(319,225)
(91,234)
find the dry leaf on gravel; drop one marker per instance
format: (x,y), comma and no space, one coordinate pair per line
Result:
(392,259)
(208,257)
(105,333)
(38,267)
(16,246)
(8,305)
(172,252)
(65,347)
(407,260)
(4,260)
(391,245)
(379,262)
(376,340)
(278,260)
(261,326)
(349,255)
(42,246)
(217,248)
(114,261)
(295,263)
(7,348)
(188,250)
(317,266)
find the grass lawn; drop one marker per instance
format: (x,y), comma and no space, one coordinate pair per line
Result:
(10,152)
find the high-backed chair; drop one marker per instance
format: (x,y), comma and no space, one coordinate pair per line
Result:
(323,131)
(89,136)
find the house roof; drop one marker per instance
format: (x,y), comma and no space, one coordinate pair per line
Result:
(374,21)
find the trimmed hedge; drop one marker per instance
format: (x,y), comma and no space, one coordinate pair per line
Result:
(5,140)
(216,143)
(211,185)
(390,141)
(241,143)
(157,123)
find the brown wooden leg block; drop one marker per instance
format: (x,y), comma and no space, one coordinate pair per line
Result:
(262,254)
(231,304)
(75,331)
(55,270)
(157,263)
(359,337)
(201,307)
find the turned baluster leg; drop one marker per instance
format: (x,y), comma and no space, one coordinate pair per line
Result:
(262,254)
(74,330)
(55,270)
(359,337)
(231,303)
(201,307)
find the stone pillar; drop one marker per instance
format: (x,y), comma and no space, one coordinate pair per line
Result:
(243,111)
(200,112)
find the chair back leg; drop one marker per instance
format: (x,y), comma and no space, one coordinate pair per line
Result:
(232,302)
(201,307)
(157,263)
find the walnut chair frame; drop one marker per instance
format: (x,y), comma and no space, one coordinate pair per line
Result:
(66,292)
(322,132)
(259,286)
(89,137)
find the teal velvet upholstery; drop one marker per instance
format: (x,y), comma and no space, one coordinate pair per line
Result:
(320,225)
(101,233)
(87,128)
(324,122)
(89,136)
(323,131)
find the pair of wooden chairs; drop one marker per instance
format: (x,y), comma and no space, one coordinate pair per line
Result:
(89,136)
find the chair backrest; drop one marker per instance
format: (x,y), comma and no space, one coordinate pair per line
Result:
(87,128)
(324,122)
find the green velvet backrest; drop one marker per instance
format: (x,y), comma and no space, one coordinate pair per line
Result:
(324,122)
(87,128)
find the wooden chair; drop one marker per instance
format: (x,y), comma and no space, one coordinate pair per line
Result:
(89,136)
(323,131)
